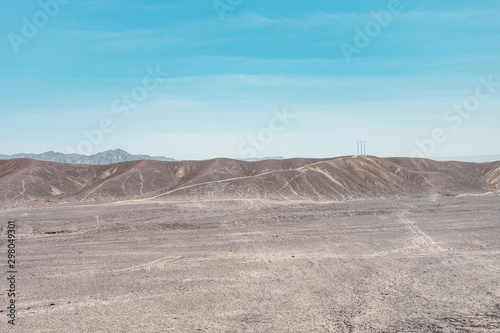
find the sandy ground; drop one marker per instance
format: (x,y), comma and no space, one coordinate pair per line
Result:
(255,266)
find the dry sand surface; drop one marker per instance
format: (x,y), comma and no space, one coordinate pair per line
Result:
(258,266)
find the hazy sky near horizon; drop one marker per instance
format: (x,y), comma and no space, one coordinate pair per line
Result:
(193,80)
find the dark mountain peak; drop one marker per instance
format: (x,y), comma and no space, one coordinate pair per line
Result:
(116,152)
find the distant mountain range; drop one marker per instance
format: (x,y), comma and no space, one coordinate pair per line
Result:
(120,155)
(262,159)
(106,157)
(477,159)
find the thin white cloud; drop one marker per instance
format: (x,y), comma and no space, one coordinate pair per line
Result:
(325,18)
(86,34)
(251,19)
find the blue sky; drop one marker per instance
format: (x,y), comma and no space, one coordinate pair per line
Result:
(222,81)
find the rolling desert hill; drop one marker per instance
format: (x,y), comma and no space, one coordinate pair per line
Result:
(334,179)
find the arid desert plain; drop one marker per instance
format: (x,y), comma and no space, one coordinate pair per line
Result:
(425,259)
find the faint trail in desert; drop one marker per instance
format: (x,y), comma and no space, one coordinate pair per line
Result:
(421,243)
(123,184)
(420,237)
(85,197)
(155,264)
(142,182)
(288,183)
(410,205)
(104,182)
(215,181)
(231,179)
(22,193)
(311,164)
(24,187)
(329,177)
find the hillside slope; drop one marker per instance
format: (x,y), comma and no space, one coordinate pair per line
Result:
(342,178)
